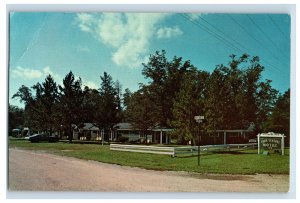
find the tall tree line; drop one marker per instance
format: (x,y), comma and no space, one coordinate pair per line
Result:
(50,107)
(232,96)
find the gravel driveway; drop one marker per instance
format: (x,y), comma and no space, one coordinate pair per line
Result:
(38,171)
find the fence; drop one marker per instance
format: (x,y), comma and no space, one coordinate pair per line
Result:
(143,149)
(179,151)
(193,150)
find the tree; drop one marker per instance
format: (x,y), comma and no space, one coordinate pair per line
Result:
(118,98)
(48,94)
(109,103)
(90,105)
(279,120)
(71,100)
(24,94)
(140,110)
(266,98)
(214,101)
(237,97)
(15,117)
(126,98)
(247,101)
(165,80)
(189,102)
(32,115)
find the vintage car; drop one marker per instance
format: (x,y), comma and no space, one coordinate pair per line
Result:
(42,138)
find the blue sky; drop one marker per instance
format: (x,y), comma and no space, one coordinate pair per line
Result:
(91,43)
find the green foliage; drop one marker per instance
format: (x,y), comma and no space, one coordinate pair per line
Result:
(166,77)
(232,96)
(91,98)
(188,103)
(109,105)
(16,117)
(31,111)
(71,100)
(39,109)
(279,120)
(49,98)
(237,97)
(24,94)
(141,110)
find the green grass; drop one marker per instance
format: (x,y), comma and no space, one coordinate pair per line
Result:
(244,162)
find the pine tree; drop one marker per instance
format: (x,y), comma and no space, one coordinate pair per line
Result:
(71,100)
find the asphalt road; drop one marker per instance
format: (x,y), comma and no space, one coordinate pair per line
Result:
(39,171)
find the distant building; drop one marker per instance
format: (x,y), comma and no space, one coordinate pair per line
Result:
(88,131)
(156,135)
(152,135)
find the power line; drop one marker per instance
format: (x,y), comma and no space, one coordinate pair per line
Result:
(216,35)
(259,28)
(258,42)
(222,32)
(246,31)
(276,25)
(206,29)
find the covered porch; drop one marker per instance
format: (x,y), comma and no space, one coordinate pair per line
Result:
(161,135)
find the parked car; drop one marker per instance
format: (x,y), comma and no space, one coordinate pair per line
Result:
(42,138)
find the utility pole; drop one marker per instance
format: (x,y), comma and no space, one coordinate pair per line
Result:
(102,136)
(199,120)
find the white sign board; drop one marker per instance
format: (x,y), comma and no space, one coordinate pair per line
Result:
(270,141)
(199,117)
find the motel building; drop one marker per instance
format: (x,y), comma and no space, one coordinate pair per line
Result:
(90,132)
(156,135)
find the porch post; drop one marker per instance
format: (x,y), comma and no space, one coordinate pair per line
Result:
(224,137)
(161,134)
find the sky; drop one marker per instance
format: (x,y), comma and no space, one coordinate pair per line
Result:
(88,44)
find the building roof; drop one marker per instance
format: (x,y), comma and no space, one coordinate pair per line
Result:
(85,126)
(129,126)
(90,126)
(16,130)
(123,126)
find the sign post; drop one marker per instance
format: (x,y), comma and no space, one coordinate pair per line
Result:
(199,120)
(270,141)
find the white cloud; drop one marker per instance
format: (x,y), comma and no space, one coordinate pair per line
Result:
(26,73)
(168,32)
(57,78)
(128,34)
(112,30)
(85,82)
(131,52)
(90,84)
(85,21)
(32,74)
(41,74)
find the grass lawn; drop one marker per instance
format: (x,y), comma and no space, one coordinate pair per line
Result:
(244,162)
